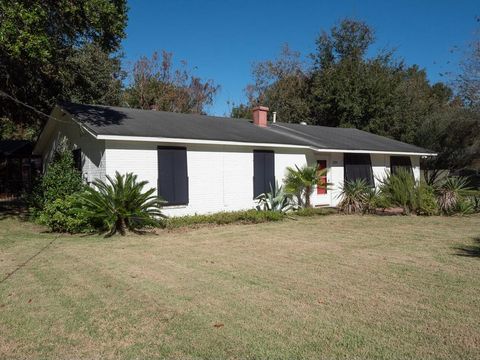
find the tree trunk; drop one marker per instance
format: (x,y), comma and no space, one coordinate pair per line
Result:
(307,196)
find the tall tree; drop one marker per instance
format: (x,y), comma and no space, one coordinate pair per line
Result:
(41,44)
(280,84)
(468,81)
(379,94)
(157,83)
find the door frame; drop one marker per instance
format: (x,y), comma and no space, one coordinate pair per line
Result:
(323,199)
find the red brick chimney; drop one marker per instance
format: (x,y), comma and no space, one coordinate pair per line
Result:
(260,116)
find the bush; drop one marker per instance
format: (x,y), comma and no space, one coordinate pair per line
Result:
(120,204)
(425,200)
(60,216)
(400,190)
(223,218)
(60,180)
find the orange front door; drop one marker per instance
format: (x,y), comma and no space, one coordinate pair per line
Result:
(322,184)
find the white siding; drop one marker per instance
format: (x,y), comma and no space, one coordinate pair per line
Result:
(93,151)
(380,167)
(220,177)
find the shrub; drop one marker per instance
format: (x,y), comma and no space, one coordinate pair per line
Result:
(60,216)
(60,180)
(425,200)
(222,218)
(275,200)
(450,193)
(353,196)
(400,190)
(120,204)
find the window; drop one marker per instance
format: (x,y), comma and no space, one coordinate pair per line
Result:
(172,175)
(400,162)
(322,184)
(263,171)
(358,166)
(77,159)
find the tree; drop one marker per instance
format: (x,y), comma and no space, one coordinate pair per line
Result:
(348,40)
(280,84)
(40,39)
(454,134)
(101,86)
(379,94)
(301,182)
(156,83)
(468,82)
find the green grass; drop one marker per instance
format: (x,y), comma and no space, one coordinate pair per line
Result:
(315,287)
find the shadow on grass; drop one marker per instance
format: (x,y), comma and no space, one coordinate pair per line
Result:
(13,209)
(470,250)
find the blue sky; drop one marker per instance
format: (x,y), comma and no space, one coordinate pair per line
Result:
(223,38)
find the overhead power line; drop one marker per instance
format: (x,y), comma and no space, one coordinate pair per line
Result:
(4,94)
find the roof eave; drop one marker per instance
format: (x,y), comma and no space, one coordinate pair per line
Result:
(241,143)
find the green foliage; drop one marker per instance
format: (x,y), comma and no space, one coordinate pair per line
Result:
(402,190)
(451,192)
(60,180)
(347,88)
(276,200)
(43,45)
(455,135)
(60,215)
(399,190)
(120,204)
(223,218)
(354,196)
(91,76)
(300,182)
(425,200)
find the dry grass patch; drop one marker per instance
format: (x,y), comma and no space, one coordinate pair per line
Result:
(322,287)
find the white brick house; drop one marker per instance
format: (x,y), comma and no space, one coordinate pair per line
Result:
(205,164)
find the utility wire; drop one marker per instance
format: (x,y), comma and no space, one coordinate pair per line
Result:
(4,94)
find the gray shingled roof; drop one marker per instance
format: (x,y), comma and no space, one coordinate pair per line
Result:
(109,120)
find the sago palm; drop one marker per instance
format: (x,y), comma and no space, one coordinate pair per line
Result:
(120,204)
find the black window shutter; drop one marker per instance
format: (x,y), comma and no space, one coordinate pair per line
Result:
(400,162)
(172,175)
(263,171)
(358,166)
(77,159)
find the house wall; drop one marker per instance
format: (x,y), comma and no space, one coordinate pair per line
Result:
(221,177)
(93,151)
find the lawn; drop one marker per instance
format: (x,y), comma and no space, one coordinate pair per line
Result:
(321,287)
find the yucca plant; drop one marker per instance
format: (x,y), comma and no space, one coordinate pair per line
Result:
(120,204)
(276,200)
(450,192)
(354,196)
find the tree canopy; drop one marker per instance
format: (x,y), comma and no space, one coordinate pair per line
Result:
(345,85)
(46,52)
(157,84)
